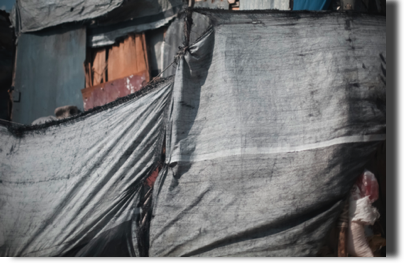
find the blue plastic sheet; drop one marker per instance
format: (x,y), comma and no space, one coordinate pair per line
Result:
(312,5)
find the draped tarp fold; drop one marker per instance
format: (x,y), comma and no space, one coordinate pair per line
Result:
(71,187)
(273,116)
(35,15)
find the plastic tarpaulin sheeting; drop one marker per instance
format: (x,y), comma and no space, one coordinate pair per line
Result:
(313,5)
(273,116)
(175,37)
(35,15)
(134,16)
(71,188)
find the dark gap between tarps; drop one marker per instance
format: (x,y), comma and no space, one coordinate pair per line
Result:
(145,205)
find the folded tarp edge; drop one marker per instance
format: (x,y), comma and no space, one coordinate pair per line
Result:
(77,10)
(276,150)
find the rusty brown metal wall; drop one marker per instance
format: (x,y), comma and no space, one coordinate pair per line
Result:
(115,71)
(104,93)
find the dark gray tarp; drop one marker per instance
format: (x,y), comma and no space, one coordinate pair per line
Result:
(273,116)
(172,43)
(35,15)
(175,37)
(264,4)
(49,72)
(71,188)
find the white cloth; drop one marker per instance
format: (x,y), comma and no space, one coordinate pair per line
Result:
(361,211)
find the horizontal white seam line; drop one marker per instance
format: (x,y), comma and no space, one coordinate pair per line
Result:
(270,150)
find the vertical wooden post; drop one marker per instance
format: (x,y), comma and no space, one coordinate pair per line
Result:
(342,242)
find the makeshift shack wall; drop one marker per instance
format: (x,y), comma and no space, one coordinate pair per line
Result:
(49,72)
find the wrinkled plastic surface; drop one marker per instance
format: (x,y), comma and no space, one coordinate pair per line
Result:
(71,187)
(270,124)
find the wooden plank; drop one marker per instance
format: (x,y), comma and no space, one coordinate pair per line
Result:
(122,59)
(141,53)
(99,66)
(342,242)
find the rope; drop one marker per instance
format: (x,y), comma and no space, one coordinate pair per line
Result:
(182,51)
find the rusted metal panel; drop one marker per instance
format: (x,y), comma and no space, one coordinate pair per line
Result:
(126,67)
(104,93)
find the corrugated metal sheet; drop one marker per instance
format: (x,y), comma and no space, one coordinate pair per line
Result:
(110,91)
(49,72)
(264,4)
